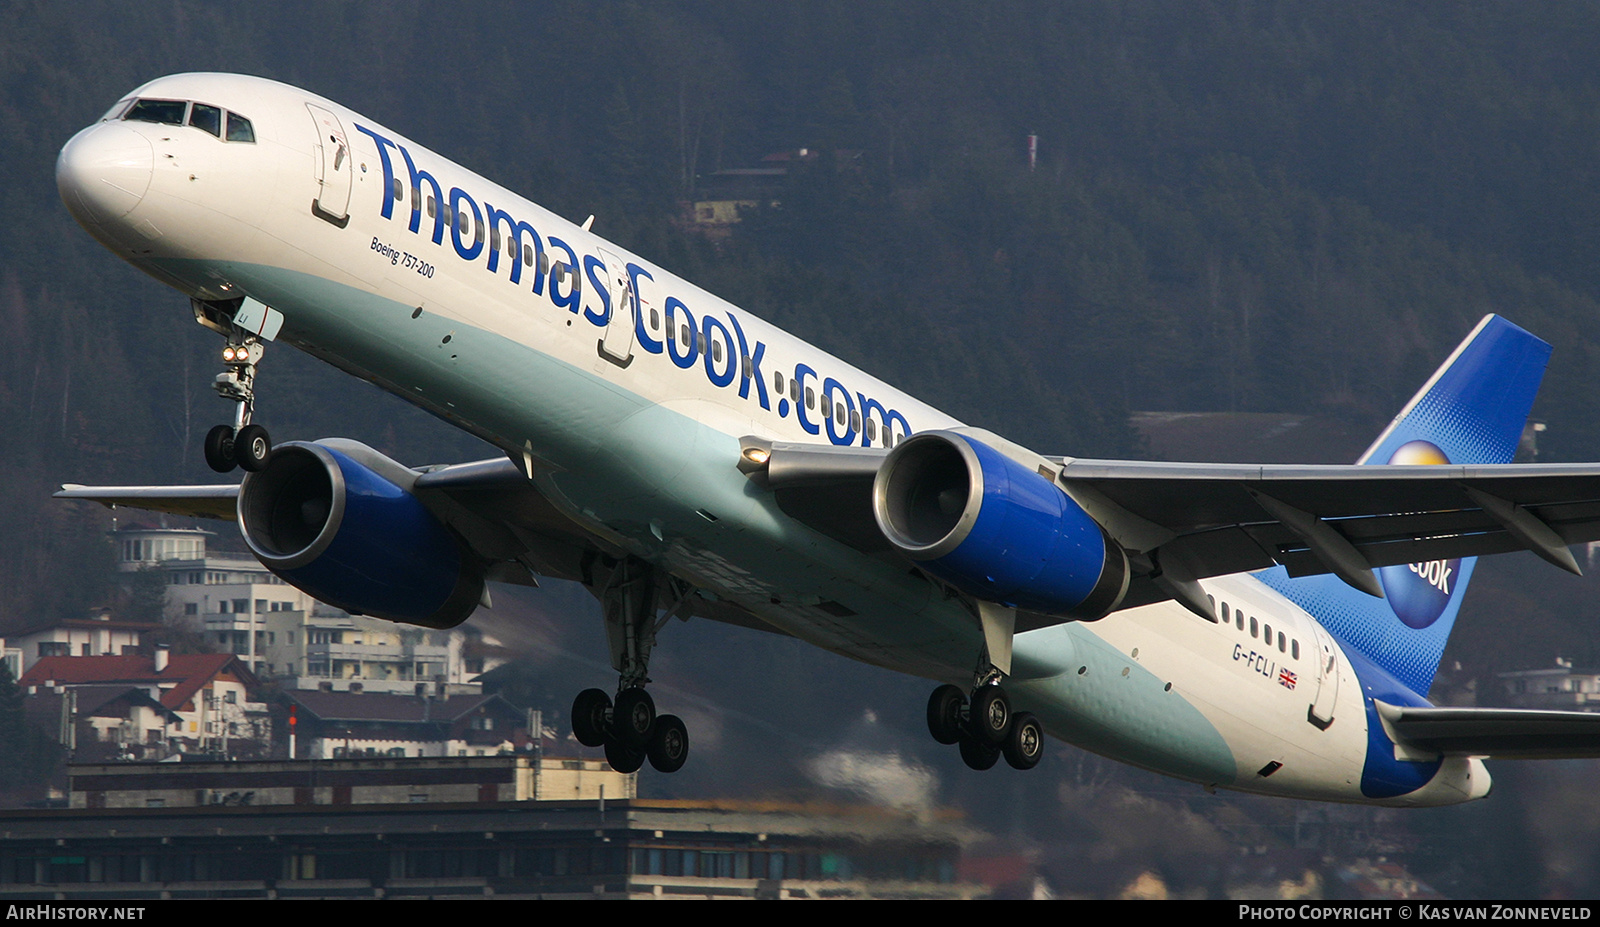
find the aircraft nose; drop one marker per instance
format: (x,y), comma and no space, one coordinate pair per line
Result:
(103,172)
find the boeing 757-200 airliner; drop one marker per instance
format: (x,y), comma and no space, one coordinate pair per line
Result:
(1271,629)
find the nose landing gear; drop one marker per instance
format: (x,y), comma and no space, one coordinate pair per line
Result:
(242,444)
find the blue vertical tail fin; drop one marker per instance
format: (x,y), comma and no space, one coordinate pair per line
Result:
(1471,411)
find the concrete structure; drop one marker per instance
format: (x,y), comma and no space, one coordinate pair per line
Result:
(1557,687)
(283,634)
(557,849)
(347,782)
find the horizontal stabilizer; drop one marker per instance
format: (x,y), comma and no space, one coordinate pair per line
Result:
(1496,733)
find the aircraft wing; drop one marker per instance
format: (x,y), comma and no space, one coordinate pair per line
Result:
(1227,518)
(1497,733)
(1194,520)
(495,509)
(499,513)
(212,501)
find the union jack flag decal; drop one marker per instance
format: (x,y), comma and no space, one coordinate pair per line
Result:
(1287,678)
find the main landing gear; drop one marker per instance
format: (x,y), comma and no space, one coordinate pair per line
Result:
(629,728)
(242,444)
(985,727)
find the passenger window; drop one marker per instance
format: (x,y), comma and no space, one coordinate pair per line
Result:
(827,408)
(683,335)
(164,112)
(777,381)
(449,215)
(430,208)
(1253,626)
(206,119)
(716,352)
(494,242)
(239,129)
(527,255)
(1225,612)
(655,319)
(1266,634)
(811,398)
(872,430)
(461,223)
(744,366)
(399,189)
(838,415)
(794,391)
(1282,643)
(1239,616)
(1294,649)
(544,263)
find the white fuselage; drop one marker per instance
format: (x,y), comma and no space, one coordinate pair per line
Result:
(629,410)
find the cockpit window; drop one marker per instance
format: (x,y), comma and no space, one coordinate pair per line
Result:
(206,118)
(166,112)
(239,129)
(116,111)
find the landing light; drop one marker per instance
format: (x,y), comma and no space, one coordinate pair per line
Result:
(227,353)
(757,455)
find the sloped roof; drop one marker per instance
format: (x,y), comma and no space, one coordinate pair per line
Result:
(95,700)
(405,709)
(186,673)
(90,624)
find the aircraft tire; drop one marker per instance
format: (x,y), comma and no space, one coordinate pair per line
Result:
(252,447)
(219,449)
(624,758)
(1024,747)
(634,717)
(589,717)
(990,718)
(669,744)
(978,754)
(944,714)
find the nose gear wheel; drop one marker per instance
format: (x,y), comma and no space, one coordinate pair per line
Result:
(243,444)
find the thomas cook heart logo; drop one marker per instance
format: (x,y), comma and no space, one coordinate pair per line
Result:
(1419,592)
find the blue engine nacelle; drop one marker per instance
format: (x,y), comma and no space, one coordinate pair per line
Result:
(995,529)
(345,534)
